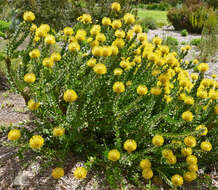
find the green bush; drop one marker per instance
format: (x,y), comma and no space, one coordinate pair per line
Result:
(148,22)
(158,6)
(184,32)
(195,42)
(171,42)
(127,106)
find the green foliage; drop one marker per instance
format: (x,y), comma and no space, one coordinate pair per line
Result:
(190,16)
(163,6)
(103,117)
(184,32)
(148,22)
(195,42)
(171,42)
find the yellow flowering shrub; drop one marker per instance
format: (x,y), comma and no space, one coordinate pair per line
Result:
(110,94)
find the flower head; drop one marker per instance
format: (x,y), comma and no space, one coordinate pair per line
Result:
(70,96)
(203,128)
(29,16)
(129,18)
(80,173)
(29,78)
(189,176)
(58,131)
(187,116)
(190,141)
(147,173)
(32,105)
(100,69)
(57,173)
(145,163)
(130,145)
(115,6)
(14,134)
(191,159)
(36,142)
(157,140)
(113,155)
(186,151)
(142,90)
(203,67)
(34,53)
(206,146)
(177,180)
(68,31)
(118,87)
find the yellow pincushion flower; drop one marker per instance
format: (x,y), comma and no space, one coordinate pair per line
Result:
(189,100)
(119,42)
(113,155)
(137,59)
(45,27)
(168,98)
(33,28)
(129,18)
(195,61)
(193,167)
(36,142)
(14,134)
(137,28)
(142,90)
(187,116)
(81,35)
(48,62)
(58,131)
(96,29)
(216,109)
(106,51)
(186,151)
(156,91)
(142,37)
(32,105)
(157,140)
(50,39)
(202,127)
(157,40)
(35,53)
(129,83)
(190,141)
(206,146)
(91,62)
(118,87)
(115,6)
(130,145)
(213,76)
(100,37)
(147,173)
(203,67)
(55,56)
(80,173)
(85,18)
(97,51)
(171,159)
(29,16)
(188,47)
(29,78)
(116,24)
(130,35)
(194,76)
(68,31)
(70,96)
(100,69)
(106,21)
(74,46)
(145,163)
(120,34)
(57,173)
(213,94)
(177,180)
(41,32)
(189,176)
(191,159)
(166,153)
(118,71)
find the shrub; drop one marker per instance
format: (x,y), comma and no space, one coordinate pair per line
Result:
(114,98)
(195,42)
(158,6)
(184,32)
(148,22)
(171,42)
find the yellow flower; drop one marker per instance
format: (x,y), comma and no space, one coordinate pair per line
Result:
(216,109)
(145,163)
(100,69)
(206,146)
(171,159)
(29,78)
(58,131)
(213,76)
(157,40)
(129,18)
(55,56)
(194,76)
(203,128)
(166,153)
(45,27)
(36,142)
(97,51)
(203,67)
(191,159)
(91,62)
(130,35)
(48,62)
(81,35)
(33,28)
(50,39)
(186,151)
(128,83)
(188,47)
(119,42)
(96,29)
(106,51)
(100,37)
(168,98)
(118,87)
(137,59)
(118,71)
(190,141)
(115,6)
(157,140)
(193,167)
(113,155)
(116,24)
(142,37)
(14,134)
(189,176)
(177,180)
(106,21)
(28,16)
(57,173)
(70,96)
(213,94)
(156,91)
(41,32)
(68,31)
(137,28)
(35,53)
(189,100)
(74,46)
(32,105)
(80,173)
(36,39)
(85,18)
(187,116)
(120,34)
(195,61)
(129,145)
(147,173)
(142,90)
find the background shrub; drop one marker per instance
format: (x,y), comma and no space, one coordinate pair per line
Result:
(148,22)
(195,42)
(171,42)
(184,32)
